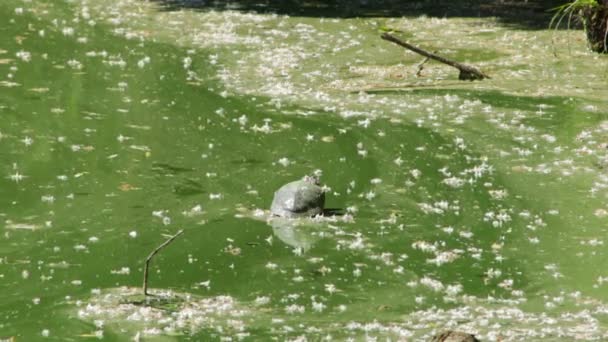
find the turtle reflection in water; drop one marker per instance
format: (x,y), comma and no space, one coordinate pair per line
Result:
(301,236)
(302,198)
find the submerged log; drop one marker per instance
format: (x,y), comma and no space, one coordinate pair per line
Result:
(467,72)
(454,336)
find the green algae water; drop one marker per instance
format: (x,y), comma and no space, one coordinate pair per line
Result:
(478,206)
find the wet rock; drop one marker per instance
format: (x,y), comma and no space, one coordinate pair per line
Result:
(454,336)
(302,198)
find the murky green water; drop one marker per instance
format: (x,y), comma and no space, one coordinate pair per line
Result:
(469,206)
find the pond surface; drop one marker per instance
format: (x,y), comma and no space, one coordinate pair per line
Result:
(469,206)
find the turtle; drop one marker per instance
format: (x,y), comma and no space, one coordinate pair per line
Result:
(301,198)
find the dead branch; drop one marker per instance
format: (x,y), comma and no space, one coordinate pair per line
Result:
(467,72)
(149,258)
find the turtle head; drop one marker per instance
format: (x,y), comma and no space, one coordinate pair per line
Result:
(312,179)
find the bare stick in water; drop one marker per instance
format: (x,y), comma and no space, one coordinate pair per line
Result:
(421,66)
(467,72)
(149,258)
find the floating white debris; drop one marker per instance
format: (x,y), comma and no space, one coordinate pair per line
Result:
(122,271)
(263,300)
(215,196)
(25,226)
(284,161)
(167,312)
(24,56)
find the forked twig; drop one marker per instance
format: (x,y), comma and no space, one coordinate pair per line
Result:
(149,258)
(421,66)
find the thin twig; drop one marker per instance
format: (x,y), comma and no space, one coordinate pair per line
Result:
(149,258)
(421,66)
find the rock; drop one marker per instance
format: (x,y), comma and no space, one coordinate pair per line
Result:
(302,198)
(454,336)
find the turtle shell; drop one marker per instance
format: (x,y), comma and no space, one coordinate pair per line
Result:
(298,199)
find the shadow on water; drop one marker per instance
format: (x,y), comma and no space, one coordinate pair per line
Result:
(494,98)
(333,212)
(565,116)
(528,14)
(165,168)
